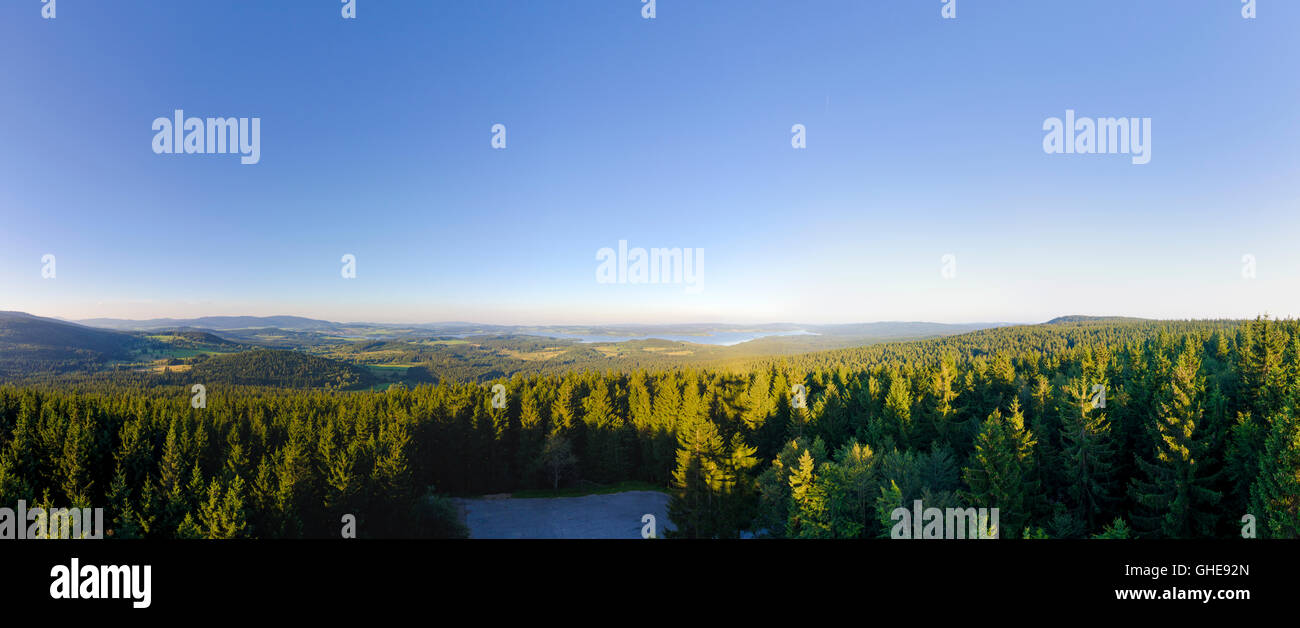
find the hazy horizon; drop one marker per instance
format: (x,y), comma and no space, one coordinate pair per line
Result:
(518,324)
(922,191)
(493,319)
(580,323)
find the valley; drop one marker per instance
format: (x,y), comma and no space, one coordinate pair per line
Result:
(376,356)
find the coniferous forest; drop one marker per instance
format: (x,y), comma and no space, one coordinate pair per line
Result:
(1087,429)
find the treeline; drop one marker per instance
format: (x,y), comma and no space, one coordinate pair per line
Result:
(1111,429)
(276,368)
(491,358)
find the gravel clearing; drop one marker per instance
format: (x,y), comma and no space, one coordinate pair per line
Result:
(612,516)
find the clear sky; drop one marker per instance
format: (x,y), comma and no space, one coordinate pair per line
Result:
(924,139)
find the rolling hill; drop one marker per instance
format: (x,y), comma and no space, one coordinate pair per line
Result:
(296,352)
(278,368)
(33,344)
(295,323)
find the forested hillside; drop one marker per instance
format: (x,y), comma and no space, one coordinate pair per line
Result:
(1193,428)
(282,369)
(32,344)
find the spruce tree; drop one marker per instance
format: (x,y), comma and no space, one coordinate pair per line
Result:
(1001,473)
(693,507)
(532,439)
(1088,451)
(1174,491)
(808,508)
(897,423)
(711,482)
(1242,459)
(851,487)
(1275,495)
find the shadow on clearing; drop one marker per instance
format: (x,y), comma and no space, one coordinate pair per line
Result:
(610,516)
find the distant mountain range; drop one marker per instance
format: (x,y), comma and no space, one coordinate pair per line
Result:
(884,329)
(296,323)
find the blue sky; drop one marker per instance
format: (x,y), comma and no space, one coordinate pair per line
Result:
(924,138)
